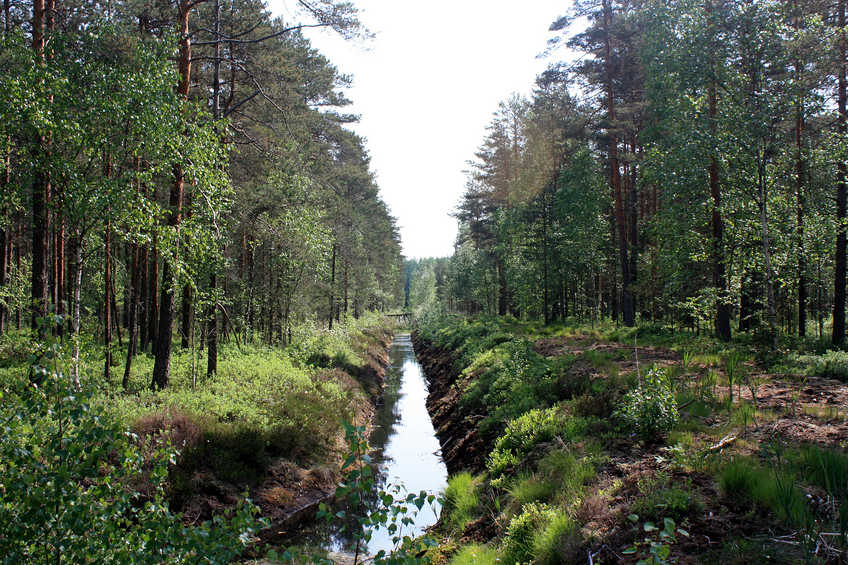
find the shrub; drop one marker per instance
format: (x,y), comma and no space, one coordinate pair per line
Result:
(831,365)
(650,409)
(67,475)
(515,383)
(529,430)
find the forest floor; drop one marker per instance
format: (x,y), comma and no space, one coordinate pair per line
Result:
(789,410)
(798,411)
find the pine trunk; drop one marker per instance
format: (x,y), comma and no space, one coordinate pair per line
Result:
(838,335)
(615,176)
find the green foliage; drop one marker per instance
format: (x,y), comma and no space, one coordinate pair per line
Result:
(475,554)
(829,365)
(461,500)
(325,348)
(650,410)
(825,468)
(508,388)
(68,481)
(524,433)
(738,479)
(520,544)
(658,542)
(569,471)
(391,509)
(557,540)
(526,489)
(257,399)
(422,292)
(660,498)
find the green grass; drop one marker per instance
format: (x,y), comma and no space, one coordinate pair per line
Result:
(520,543)
(539,414)
(462,500)
(830,364)
(264,402)
(769,489)
(660,497)
(526,489)
(558,542)
(476,554)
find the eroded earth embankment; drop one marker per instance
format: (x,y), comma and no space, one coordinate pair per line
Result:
(462,447)
(290,493)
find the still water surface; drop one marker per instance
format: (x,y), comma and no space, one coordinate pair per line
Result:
(405,450)
(406,444)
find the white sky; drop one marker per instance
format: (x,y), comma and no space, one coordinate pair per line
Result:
(426,89)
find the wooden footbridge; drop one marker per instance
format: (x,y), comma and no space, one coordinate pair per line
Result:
(405,318)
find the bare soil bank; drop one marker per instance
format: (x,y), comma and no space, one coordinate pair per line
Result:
(462,448)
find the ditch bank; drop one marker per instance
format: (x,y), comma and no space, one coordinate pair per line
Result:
(404,451)
(456,427)
(287,479)
(292,494)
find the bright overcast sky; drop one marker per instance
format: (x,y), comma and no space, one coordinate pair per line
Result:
(426,89)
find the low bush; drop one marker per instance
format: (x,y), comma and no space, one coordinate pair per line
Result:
(259,390)
(661,498)
(527,431)
(830,365)
(650,410)
(77,488)
(517,382)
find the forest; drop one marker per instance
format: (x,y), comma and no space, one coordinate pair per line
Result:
(184,167)
(679,163)
(198,279)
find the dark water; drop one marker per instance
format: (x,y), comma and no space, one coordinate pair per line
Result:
(406,450)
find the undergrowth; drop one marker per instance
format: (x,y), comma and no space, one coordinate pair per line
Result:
(552,425)
(263,403)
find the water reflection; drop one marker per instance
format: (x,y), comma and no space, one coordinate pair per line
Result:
(404,436)
(405,448)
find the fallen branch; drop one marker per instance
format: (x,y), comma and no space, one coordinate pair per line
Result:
(685,404)
(723,443)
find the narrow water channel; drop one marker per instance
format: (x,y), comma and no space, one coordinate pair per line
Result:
(405,450)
